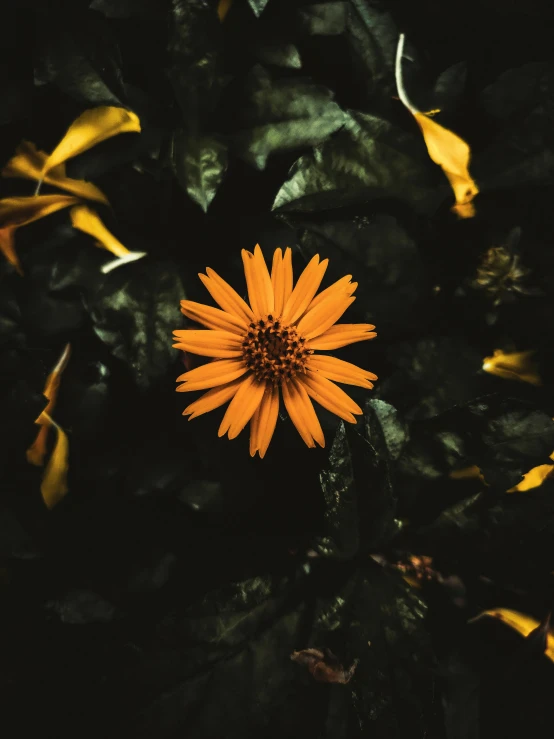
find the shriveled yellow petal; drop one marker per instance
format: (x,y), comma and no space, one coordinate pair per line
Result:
(90,128)
(213,317)
(37,451)
(297,412)
(341,335)
(452,154)
(305,289)
(242,407)
(344,286)
(54,482)
(85,219)
(208,343)
(340,371)
(317,320)
(264,420)
(258,281)
(225,296)
(212,399)
(513,366)
(281,278)
(28,163)
(218,372)
(7,247)
(330,396)
(20,211)
(520,622)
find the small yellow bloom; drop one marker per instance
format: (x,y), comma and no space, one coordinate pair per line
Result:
(267,348)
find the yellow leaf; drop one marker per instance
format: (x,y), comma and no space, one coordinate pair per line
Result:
(54,481)
(521,623)
(445,147)
(28,163)
(513,366)
(88,221)
(7,247)
(37,451)
(19,211)
(223,8)
(90,128)
(451,153)
(534,478)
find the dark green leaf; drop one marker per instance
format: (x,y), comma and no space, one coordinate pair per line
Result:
(522,100)
(368,159)
(127,8)
(82,58)
(383,258)
(341,511)
(324,19)
(284,114)
(200,164)
(257,6)
(134,313)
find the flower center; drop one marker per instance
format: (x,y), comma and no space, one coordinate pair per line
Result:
(274,352)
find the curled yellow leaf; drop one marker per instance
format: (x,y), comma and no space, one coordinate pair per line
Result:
(513,366)
(54,481)
(520,622)
(7,247)
(86,220)
(90,128)
(28,163)
(37,451)
(19,211)
(445,148)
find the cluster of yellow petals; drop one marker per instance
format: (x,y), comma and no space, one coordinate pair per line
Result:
(267,348)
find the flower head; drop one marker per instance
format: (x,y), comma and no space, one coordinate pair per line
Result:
(268,348)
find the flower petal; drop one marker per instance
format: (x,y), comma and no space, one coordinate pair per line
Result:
(208,343)
(28,163)
(218,372)
(242,407)
(305,289)
(264,420)
(225,296)
(340,371)
(330,396)
(344,286)
(342,334)
(310,416)
(281,278)
(212,399)
(90,128)
(296,410)
(317,320)
(213,317)
(260,289)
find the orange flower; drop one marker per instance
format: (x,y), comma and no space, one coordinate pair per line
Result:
(269,345)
